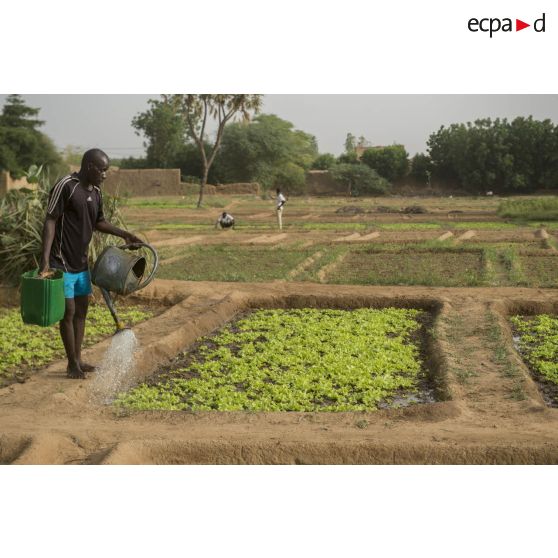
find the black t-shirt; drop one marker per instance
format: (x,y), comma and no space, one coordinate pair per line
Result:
(77,209)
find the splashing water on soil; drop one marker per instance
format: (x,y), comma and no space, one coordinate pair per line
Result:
(115,371)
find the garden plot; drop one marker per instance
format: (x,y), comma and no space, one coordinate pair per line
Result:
(540,270)
(234,263)
(409,267)
(298,360)
(431,262)
(536,339)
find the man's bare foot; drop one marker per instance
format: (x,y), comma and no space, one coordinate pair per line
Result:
(75,372)
(86,367)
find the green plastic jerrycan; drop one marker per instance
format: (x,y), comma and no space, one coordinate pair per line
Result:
(42,300)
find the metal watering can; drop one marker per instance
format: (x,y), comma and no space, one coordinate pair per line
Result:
(122,272)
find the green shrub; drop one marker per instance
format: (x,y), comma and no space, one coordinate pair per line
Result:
(530,209)
(359,179)
(391,162)
(323,162)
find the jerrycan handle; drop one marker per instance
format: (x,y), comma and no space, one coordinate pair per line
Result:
(151,276)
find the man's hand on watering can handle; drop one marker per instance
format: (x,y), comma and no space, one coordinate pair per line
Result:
(133,239)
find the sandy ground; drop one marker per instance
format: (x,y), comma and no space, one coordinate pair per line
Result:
(51,419)
(487,415)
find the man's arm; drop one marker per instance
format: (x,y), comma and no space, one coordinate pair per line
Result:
(48,237)
(108,228)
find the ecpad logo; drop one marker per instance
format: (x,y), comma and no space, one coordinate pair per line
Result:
(493,25)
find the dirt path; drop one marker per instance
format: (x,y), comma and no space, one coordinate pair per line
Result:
(493,412)
(267,239)
(179,241)
(327,269)
(309,261)
(467,235)
(445,236)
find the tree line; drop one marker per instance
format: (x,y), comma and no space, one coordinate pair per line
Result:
(517,156)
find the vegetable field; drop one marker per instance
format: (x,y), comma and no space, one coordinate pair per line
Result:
(296,360)
(368,330)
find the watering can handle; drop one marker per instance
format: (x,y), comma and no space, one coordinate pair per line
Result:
(151,276)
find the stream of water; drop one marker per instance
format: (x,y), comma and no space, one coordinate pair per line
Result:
(114,374)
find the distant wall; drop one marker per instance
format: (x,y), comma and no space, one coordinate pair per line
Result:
(143,182)
(236,188)
(8,183)
(320,182)
(166,182)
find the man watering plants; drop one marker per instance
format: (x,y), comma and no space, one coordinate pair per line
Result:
(75,210)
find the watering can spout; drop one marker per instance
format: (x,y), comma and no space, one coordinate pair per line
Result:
(120,326)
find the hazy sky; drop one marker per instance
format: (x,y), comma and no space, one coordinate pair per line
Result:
(105,120)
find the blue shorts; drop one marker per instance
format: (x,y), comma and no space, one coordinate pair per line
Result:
(77,284)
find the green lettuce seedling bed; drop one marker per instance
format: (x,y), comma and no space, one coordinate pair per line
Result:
(536,338)
(297,360)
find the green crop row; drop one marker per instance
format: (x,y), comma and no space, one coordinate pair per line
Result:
(530,209)
(33,346)
(538,343)
(294,360)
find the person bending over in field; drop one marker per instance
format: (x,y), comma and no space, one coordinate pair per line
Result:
(74,211)
(225,221)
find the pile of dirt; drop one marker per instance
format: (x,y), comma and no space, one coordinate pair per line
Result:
(387,209)
(350,210)
(414,209)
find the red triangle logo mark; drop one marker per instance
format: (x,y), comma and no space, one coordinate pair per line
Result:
(519,25)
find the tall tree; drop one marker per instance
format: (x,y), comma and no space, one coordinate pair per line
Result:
(496,154)
(197,110)
(164,131)
(21,143)
(267,150)
(16,114)
(391,162)
(324,161)
(421,168)
(350,143)
(359,179)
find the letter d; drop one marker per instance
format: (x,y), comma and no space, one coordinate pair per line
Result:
(535,25)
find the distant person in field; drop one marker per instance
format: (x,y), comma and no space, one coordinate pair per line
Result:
(225,221)
(281,200)
(74,211)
